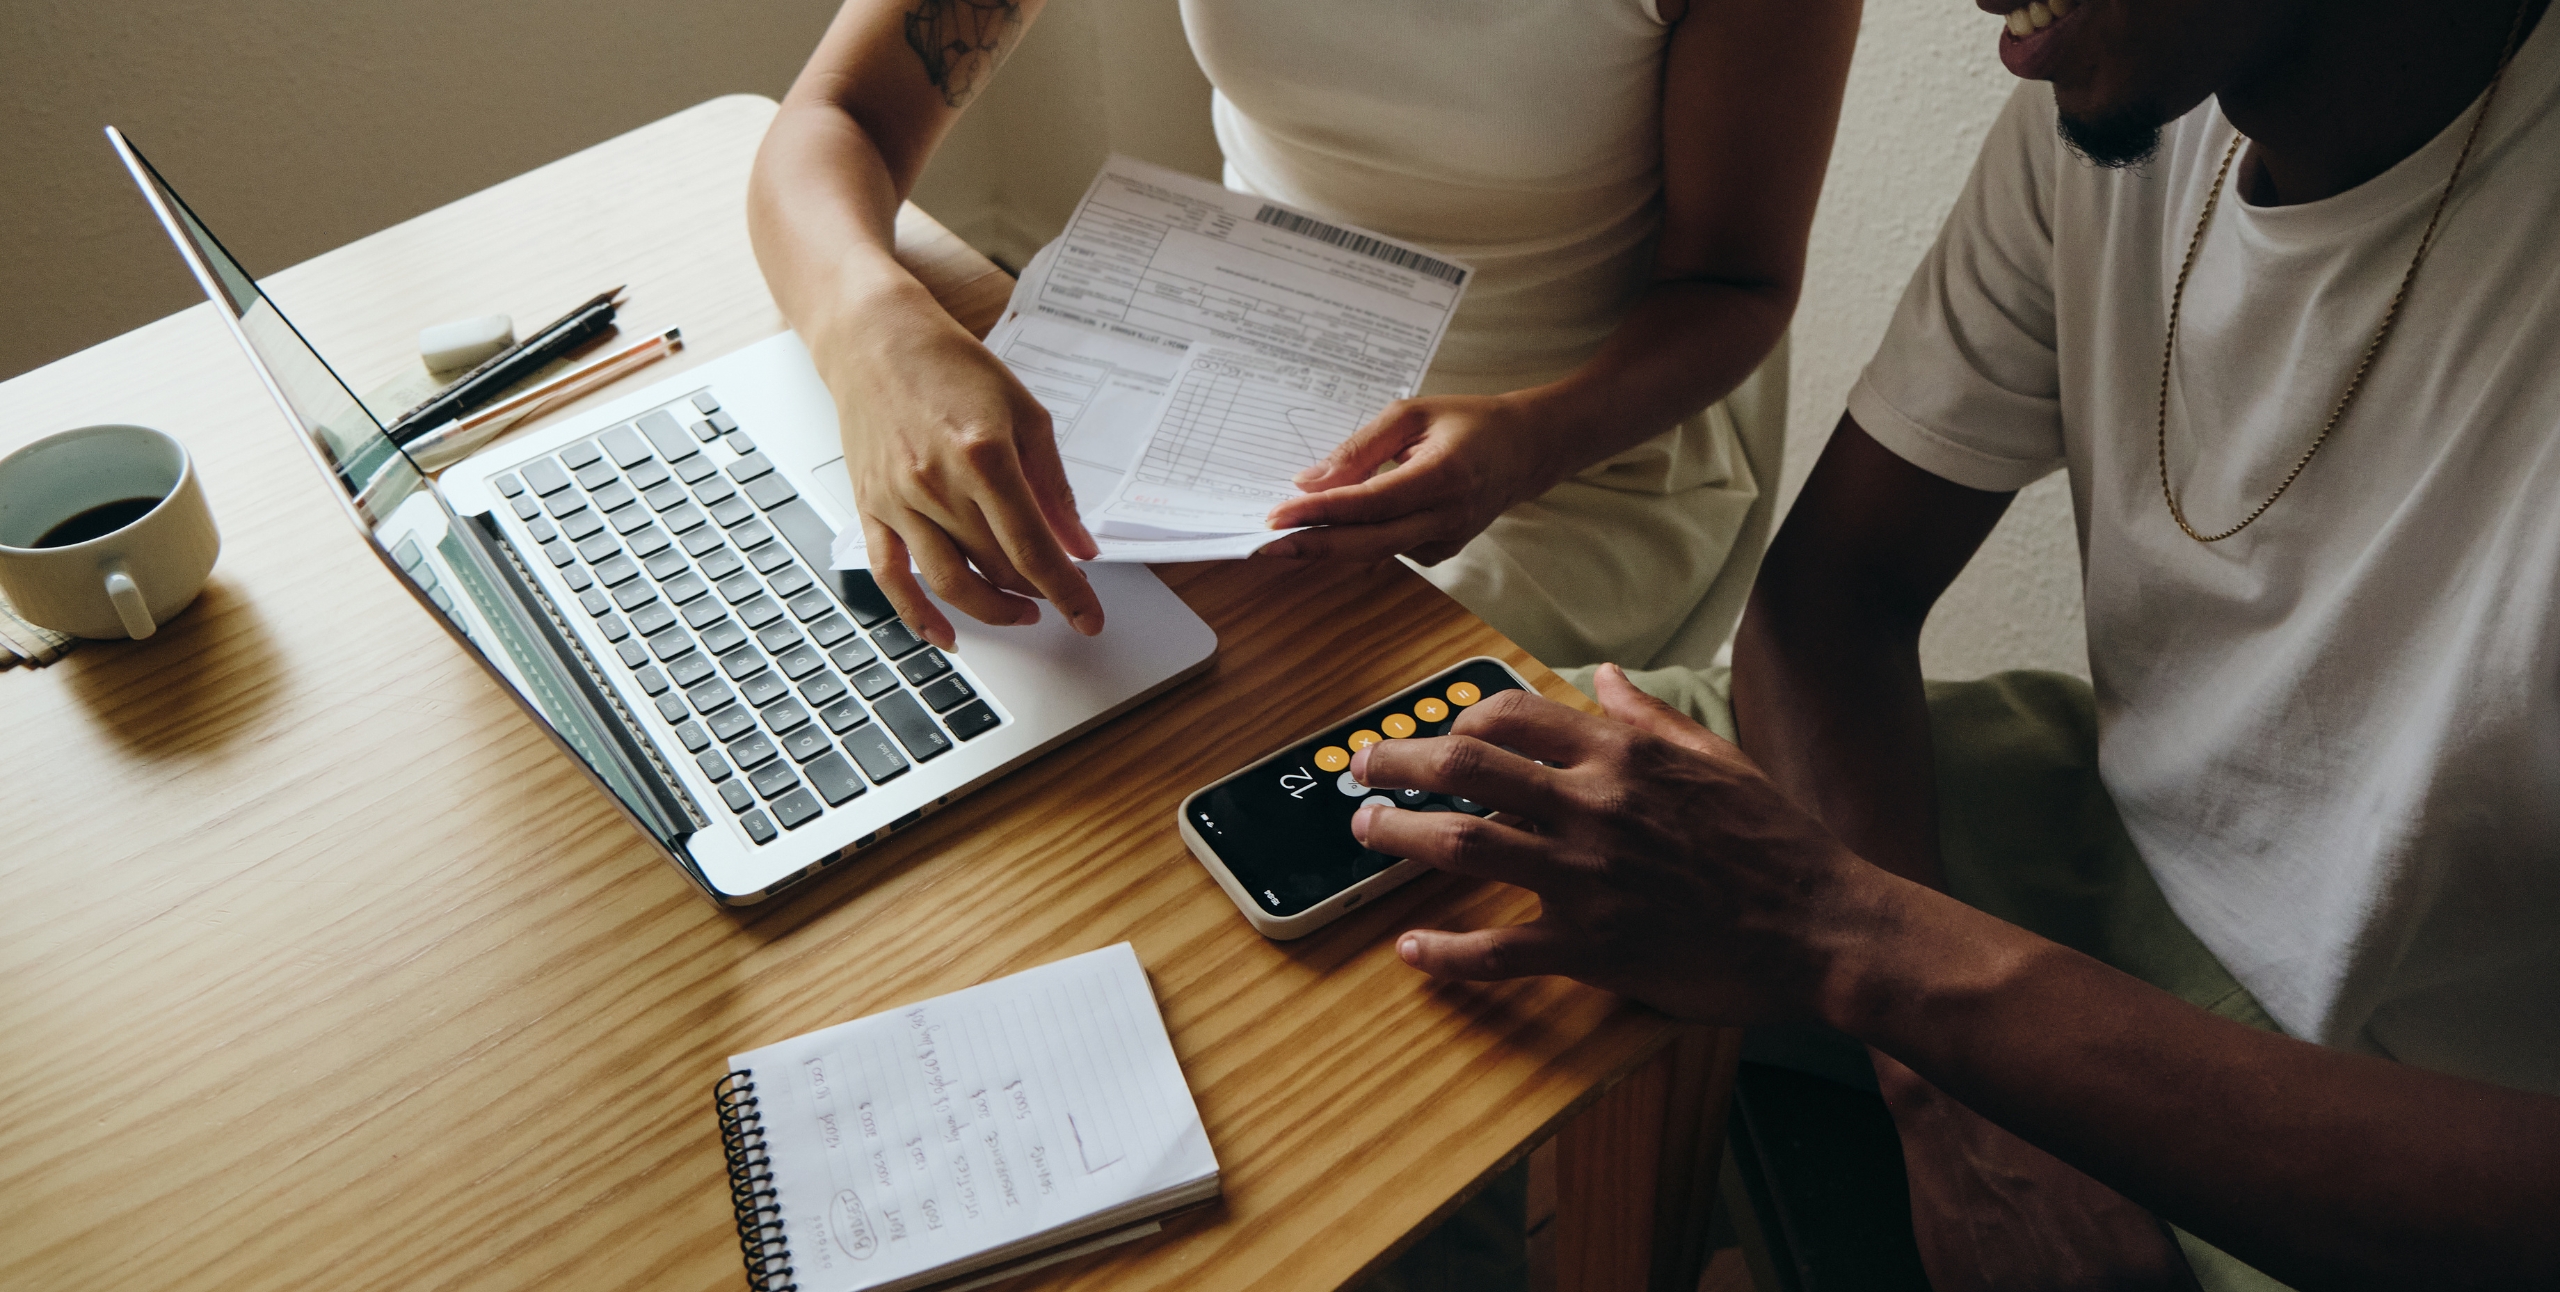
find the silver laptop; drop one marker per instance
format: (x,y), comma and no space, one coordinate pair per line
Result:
(651,581)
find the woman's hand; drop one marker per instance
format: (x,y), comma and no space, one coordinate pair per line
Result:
(1460,461)
(1667,867)
(954,468)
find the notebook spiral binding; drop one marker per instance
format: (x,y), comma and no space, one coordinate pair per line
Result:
(751,1192)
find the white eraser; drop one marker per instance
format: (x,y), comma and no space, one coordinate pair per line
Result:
(465,342)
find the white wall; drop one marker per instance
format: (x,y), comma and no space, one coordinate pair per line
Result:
(297,125)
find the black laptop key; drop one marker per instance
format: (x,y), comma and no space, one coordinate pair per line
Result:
(705,611)
(650,541)
(703,401)
(752,751)
(738,442)
(844,715)
(652,680)
(732,722)
(784,715)
(740,586)
(770,491)
(715,489)
(559,551)
(733,512)
(712,764)
(581,525)
(581,453)
(683,587)
(779,637)
(543,531)
(822,689)
(665,494)
(853,654)
(597,474)
(830,630)
(720,421)
(812,603)
(612,497)
(631,518)
(692,470)
(764,688)
(723,637)
(510,485)
(791,582)
(796,809)
(688,519)
(759,612)
(742,662)
(671,707)
(633,653)
(833,778)
(800,661)
(896,640)
(624,445)
(972,720)
(546,476)
(806,742)
(665,566)
(577,578)
(750,467)
(758,827)
(874,681)
(666,433)
(768,558)
(690,668)
(596,547)
(694,737)
(612,627)
(596,602)
(914,727)
(637,592)
(750,536)
(948,693)
(527,506)
(647,476)
(870,747)
(924,666)
(649,619)
(561,504)
(671,643)
(706,698)
(775,779)
(740,798)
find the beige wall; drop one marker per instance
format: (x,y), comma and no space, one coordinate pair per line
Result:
(300,124)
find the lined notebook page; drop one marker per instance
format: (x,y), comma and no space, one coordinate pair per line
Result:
(913,1141)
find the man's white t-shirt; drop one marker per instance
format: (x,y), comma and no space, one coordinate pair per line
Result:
(2335,737)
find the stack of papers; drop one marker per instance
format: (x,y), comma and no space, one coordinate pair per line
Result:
(1197,348)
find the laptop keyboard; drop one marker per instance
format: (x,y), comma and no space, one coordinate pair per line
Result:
(792,693)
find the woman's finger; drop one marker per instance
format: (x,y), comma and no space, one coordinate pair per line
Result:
(1386,435)
(944,569)
(1411,487)
(1046,474)
(1029,544)
(895,574)
(1355,543)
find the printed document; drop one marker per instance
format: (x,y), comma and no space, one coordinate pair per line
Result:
(1198,347)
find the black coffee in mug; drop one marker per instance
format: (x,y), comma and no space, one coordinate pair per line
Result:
(97,522)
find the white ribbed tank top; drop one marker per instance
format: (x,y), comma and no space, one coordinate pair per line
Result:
(1521,136)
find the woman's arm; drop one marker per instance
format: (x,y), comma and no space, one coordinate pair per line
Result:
(952,461)
(1751,94)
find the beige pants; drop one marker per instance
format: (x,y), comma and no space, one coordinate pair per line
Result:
(1644,559)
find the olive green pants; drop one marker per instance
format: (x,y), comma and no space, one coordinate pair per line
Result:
(2027,833)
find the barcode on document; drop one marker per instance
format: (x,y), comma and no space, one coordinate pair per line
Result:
(1336,235)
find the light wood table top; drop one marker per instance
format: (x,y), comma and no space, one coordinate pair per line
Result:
(321,966)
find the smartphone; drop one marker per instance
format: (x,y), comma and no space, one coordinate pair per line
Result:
(1277,835)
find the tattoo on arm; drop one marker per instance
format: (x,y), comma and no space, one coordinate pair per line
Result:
(961,41)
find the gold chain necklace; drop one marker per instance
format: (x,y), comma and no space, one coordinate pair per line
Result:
(2390,313)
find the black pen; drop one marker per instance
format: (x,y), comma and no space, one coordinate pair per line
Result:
(507,367)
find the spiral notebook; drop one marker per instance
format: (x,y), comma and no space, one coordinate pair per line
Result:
(965,1139)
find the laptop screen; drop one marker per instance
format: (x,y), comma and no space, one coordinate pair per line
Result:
(461,571)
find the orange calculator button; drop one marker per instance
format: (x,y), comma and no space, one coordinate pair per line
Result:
(1398,725)
(1363,739)
(1430,709)
(1332,758)
(1463,694)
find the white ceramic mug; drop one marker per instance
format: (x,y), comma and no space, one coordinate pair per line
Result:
(74,555)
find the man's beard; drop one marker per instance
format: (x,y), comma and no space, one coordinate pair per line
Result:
(2123,138)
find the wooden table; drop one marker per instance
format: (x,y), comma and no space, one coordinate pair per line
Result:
(320,967)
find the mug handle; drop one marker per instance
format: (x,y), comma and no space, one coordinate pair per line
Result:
(128,602)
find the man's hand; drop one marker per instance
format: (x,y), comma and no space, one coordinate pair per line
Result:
(1460,462)
(1670,869)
